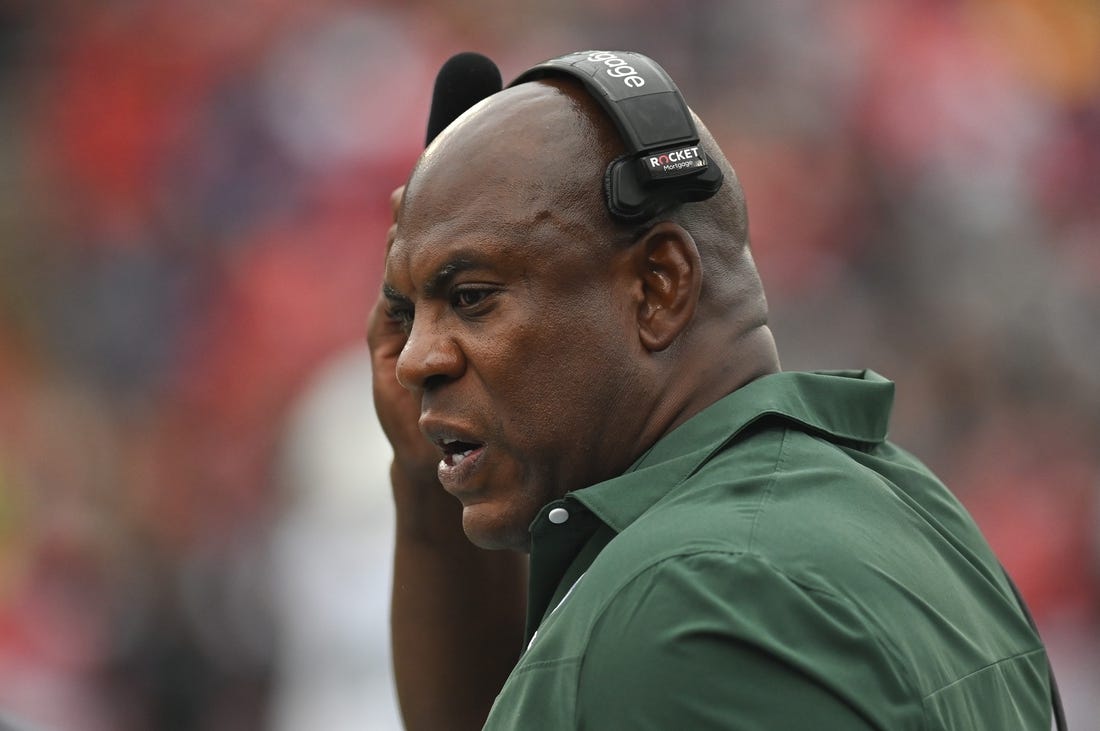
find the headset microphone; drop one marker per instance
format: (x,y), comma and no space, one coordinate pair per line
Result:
(464,80)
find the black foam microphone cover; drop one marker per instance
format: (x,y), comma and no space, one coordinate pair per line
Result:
(464,80)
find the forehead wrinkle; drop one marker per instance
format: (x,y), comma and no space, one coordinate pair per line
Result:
(434,253)
(561,224)
(432,261)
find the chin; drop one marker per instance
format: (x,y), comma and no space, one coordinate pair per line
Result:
(489,530)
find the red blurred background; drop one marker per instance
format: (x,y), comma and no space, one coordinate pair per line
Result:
(194,525)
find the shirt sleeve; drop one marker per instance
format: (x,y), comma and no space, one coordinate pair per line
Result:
(725,641)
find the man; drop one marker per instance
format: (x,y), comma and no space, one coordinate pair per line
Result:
(714,543)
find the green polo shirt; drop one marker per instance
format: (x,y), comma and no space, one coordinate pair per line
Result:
(773,563)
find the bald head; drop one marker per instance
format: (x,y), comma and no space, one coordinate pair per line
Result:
(541,148)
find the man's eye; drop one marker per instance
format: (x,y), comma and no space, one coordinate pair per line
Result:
(468,298)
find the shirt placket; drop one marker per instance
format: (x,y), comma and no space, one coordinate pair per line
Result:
(558,535)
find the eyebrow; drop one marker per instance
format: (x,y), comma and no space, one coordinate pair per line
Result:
(438,282)
(393,295)
(443,276)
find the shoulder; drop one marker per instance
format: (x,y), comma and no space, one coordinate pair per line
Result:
(683,647)
(778,492)
(793,567)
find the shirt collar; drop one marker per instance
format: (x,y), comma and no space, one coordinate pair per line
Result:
(844,406)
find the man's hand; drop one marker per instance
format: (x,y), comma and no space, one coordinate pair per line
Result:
(398,409)
(457,611)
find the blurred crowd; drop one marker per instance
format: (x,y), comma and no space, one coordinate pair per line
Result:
(194,516)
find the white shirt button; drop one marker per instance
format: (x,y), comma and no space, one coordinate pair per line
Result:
(558,516)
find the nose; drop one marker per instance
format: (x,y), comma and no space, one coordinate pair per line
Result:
(430,358)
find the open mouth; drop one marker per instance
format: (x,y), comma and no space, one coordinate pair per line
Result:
(456,451)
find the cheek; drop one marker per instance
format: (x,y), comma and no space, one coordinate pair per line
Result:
(552,372)
(558,395)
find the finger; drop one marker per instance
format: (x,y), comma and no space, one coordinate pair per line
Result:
(379,324)
(390,236)
(396,197)
(385,334)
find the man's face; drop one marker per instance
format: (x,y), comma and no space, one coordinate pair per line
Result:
(520,347)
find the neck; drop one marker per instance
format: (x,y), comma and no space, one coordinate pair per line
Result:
(709,374)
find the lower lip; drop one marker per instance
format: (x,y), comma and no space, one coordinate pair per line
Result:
(452,477)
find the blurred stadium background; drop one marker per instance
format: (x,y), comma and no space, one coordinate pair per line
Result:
(194,515)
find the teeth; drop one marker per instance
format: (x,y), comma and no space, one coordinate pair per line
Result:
(456,458)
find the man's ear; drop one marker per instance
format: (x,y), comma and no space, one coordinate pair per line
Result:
(667,265)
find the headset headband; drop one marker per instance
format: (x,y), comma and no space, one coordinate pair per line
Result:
(664,164)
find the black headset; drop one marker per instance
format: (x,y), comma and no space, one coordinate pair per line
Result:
(664,164)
